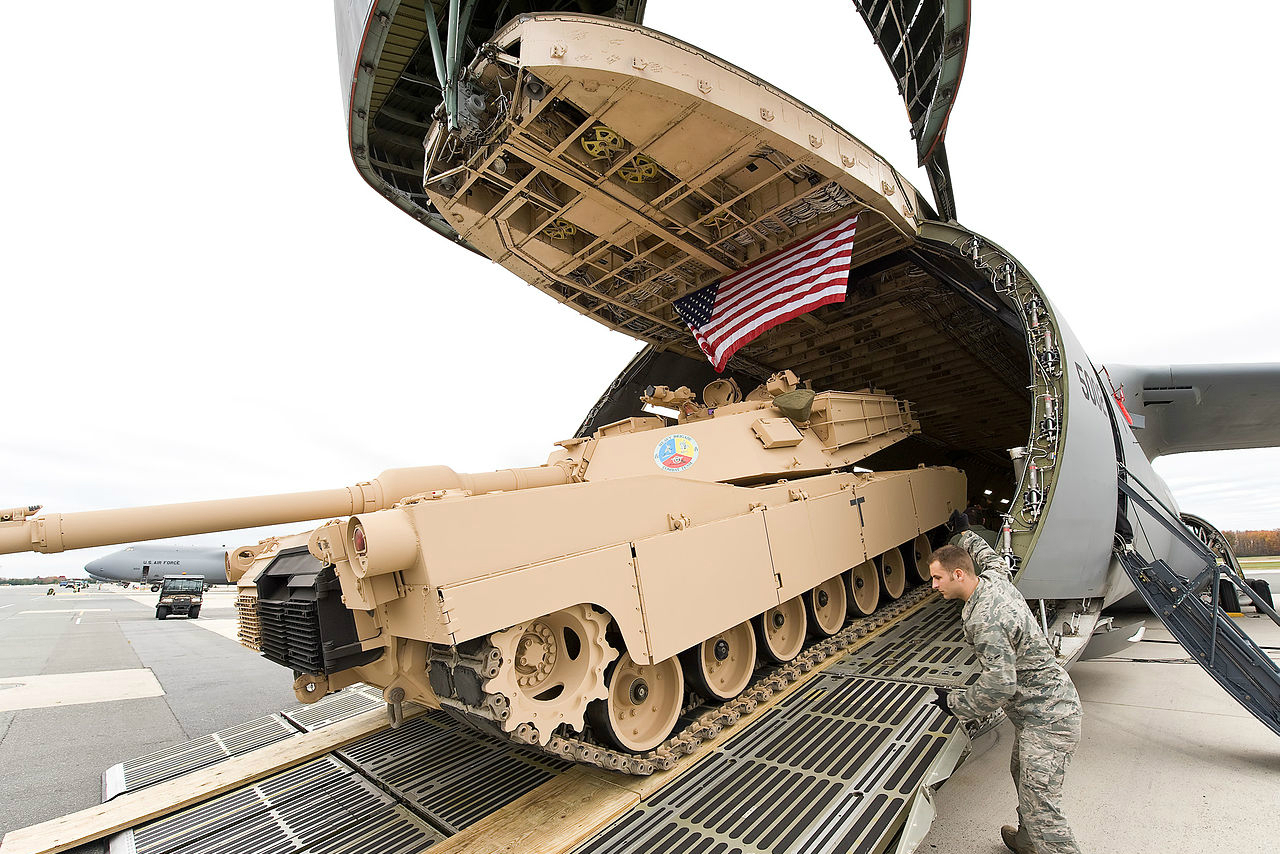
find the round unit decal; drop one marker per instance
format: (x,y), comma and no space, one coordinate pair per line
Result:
(676,452)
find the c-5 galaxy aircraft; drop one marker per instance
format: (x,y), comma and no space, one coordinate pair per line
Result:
(620,171)
(149,564)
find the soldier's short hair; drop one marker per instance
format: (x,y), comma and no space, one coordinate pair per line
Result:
(953,557)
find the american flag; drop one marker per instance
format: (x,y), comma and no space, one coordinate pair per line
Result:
(785,284)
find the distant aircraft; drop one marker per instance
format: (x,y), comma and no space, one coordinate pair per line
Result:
(149,564)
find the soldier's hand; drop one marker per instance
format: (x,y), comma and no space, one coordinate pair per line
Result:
(958,522)
(940,700)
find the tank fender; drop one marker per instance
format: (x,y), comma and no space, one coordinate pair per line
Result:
(605,577)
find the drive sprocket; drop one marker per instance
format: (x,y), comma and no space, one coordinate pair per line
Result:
(552,668)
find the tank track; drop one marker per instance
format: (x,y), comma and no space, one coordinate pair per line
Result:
(709,723)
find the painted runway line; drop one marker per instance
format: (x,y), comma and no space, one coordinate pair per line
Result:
(73,689)
(64,611)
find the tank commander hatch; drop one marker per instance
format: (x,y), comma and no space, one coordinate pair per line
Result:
(1020,675)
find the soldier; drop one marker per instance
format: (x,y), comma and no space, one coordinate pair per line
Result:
(1021,675)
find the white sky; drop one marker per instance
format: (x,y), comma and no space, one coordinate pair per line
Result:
(195,304)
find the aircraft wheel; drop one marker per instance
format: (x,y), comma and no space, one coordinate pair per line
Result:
(643,704)
(162,613)
(826,607)
(920,553)
(781,631)
(893,573)
(720,667)
(863,589)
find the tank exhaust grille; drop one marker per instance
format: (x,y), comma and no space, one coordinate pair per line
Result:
(302,623)
(291,634)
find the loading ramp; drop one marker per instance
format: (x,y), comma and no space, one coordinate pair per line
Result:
(844,760)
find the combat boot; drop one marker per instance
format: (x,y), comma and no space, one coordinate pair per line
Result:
(1016,839)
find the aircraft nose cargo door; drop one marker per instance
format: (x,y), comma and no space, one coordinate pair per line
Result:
(1074,528)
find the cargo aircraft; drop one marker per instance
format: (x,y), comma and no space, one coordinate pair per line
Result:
(627,174)
(149,564)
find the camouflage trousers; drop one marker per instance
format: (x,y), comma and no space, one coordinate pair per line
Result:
(1041,753)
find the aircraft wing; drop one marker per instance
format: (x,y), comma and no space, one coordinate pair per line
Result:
(1181,408)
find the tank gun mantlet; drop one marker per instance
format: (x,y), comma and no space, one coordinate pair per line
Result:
(325,542)
(435,495)
(240,560)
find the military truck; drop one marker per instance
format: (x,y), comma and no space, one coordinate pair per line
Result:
(180,595)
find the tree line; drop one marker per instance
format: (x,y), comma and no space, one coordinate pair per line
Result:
(1254,543)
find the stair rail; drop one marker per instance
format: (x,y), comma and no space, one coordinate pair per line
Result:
(1215,641)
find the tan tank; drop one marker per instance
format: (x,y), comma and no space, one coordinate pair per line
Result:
(590,596)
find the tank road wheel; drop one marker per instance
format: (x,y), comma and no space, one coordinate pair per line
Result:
(893,573)
(720,667)
(826,607)
(863,589)
(781,631)
(551,668)
(920,555)
(643,704)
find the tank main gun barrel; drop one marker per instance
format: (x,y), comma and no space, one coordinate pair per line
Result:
(56,532)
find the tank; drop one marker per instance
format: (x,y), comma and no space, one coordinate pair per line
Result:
(586,604)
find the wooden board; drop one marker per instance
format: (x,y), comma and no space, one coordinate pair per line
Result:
(133,808)
(553,818)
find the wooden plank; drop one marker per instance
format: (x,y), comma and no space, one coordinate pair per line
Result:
(551,819)
(133,808)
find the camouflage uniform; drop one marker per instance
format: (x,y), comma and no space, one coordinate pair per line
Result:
(1021,675)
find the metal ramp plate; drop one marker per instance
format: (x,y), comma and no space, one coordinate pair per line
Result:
(449,773)
(323,805)
(211,749)
(927,648)
(407,788)
(832,768)
(192,755)
(346,703)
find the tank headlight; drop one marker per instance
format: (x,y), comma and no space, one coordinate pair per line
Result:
(381,542)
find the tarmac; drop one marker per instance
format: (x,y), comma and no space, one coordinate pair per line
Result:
(1168,762)
(143,685)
